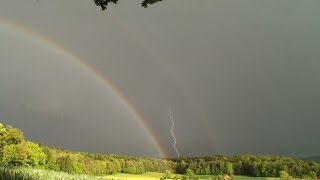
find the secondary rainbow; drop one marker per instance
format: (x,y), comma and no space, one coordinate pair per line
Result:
(106,83)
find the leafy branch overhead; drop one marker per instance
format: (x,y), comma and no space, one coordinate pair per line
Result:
(104,3)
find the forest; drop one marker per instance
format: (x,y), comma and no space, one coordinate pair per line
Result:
(16,151)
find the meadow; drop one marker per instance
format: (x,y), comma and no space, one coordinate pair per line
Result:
(25,173)
(205,177)
(157,176)
(144,176)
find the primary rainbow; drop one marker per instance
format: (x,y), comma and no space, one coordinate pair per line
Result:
(106,83)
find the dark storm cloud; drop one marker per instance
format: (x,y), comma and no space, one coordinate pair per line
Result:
(242,76)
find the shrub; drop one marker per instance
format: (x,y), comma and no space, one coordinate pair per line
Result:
(284,175)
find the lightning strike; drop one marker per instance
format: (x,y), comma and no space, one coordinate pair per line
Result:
(174,138)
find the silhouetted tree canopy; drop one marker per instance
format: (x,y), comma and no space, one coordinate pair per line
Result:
(104,3)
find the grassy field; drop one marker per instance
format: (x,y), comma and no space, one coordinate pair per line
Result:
(157,176)
(32,174)
(145,176)
(23,173)
(204,177)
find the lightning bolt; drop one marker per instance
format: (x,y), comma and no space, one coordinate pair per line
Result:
(174,138)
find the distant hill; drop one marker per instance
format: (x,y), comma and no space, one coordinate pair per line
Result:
(313,158)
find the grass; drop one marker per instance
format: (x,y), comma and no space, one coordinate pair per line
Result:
(19,173)
(22,173)
(205,177)
(145,176)
(157,176)
(258,178)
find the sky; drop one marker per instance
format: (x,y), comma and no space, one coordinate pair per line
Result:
(241,76)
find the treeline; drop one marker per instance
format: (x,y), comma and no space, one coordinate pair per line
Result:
(249,165)
(15,151)
(98,164)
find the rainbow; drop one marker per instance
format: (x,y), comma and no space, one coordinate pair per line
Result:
(92,72)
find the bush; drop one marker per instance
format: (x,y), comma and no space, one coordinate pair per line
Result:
(190,174)
(311,175)
(219,177)
(167,175)
(284,175)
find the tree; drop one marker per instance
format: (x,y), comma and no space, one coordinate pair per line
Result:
(51,159)
(190,174)
(130,167)
(65,162)
(13,150)
(284,175)
(139,168)
(15,154)
(229,168)
(220,177)
(167,175)
(207,170)
(3,133)
(110,167)
(117,165)
(145,3)
(13,136)
(180,168)
(104,3)
(36,155)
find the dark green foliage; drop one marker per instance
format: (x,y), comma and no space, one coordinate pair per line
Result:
(284,175)
(104,3)
(13,136)
(167,175)
(15,151)
(15,154)
(145,3)
(35,155)
(249,165)
(130,167)
(190,175)
(220,177)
